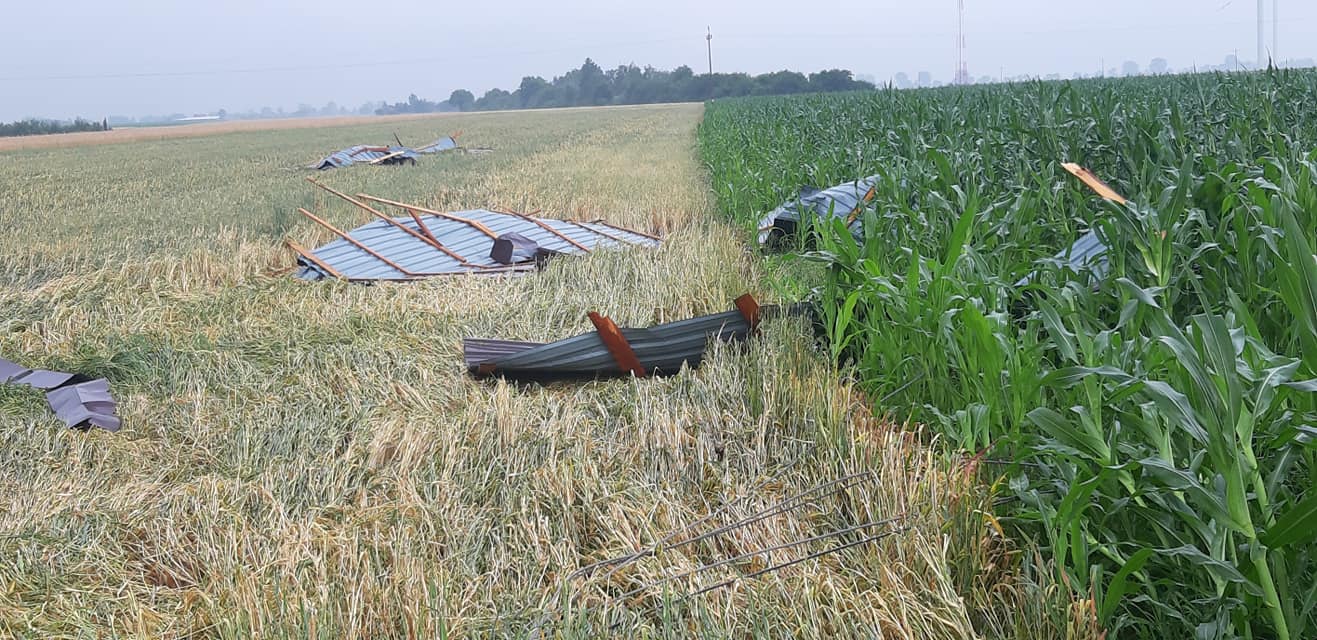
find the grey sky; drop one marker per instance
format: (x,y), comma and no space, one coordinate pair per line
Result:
(182,56)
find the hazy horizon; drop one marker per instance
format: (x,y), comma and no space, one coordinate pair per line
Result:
(151,57)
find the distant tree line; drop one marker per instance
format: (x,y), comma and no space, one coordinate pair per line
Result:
(37,127)
(591,86)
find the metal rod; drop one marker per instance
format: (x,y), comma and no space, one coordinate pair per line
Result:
(717,512)
(797,561)
(751,554)
(783,506)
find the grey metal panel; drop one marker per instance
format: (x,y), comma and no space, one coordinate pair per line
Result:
(10,370)
(85,404)
(1087,254)
(838,201)
(464,239)
(662,349)
(74,399)
(445,143)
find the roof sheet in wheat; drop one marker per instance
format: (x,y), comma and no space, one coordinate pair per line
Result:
(446,143)
(364,154)
(381,250)
(76,399)
(662,349)
(840,201)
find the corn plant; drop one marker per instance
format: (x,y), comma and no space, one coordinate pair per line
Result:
(1155,414)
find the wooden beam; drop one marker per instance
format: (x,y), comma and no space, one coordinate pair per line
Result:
(302,251)
(617,345)
(749,309)
(1093,182)
(544,225)
(447,216)
(431,242)
(354,242)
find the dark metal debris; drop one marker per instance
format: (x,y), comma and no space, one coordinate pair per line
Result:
(396,154)
(79,401)
(659,350)
(842,201)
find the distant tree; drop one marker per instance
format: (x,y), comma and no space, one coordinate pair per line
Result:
(530,92)
(835,80)
(495,99)
(1130,68)
(592,85)
(1158,66)
(782,83)
(462,100)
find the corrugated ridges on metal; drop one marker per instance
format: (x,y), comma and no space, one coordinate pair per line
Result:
(361,153)
(663,349)
(838,201)
(461,238)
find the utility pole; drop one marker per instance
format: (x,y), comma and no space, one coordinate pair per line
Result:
(1262,38)
(709,41)
(1275,30)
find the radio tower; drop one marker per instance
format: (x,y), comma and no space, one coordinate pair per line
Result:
(962,67)
(709,40)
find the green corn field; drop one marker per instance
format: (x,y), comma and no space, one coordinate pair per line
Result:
(1149,429)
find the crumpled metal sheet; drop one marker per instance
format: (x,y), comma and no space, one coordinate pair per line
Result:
(446,143)
(364,153)
(662,349)
(841,201)
(78,401)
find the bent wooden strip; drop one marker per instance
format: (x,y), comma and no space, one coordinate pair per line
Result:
(1093,182)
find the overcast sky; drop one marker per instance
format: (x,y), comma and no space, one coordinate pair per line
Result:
(137,57)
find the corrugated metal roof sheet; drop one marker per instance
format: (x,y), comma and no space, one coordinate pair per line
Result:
(840,201)
(1086,255)
(466,234)
(366,154)
(662,349)
(80,402)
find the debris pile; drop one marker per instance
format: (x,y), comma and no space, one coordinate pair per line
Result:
(76,399)
(426,243)
(388,155)
(610,352)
